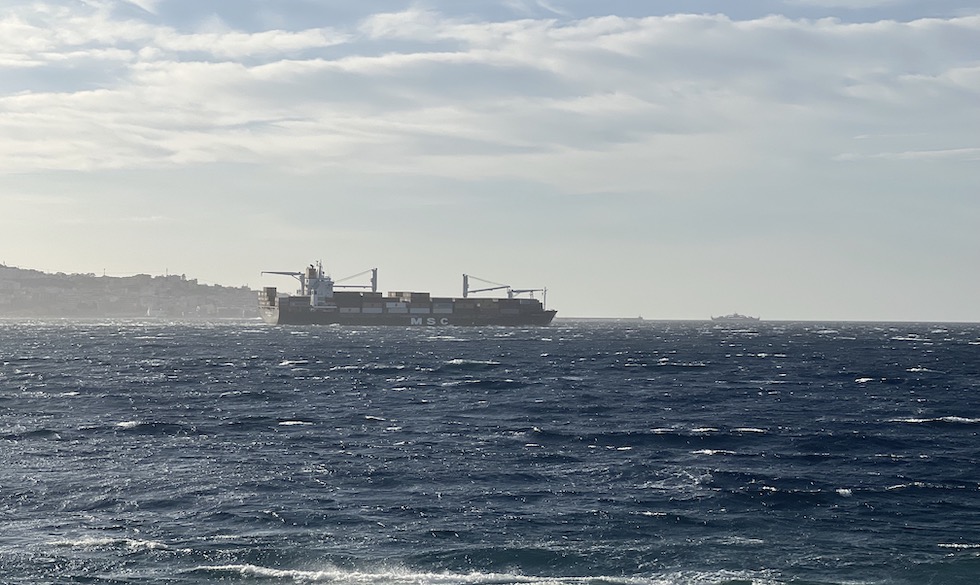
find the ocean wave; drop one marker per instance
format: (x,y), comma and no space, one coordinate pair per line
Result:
(373,368)
(665,363)
(470,364)
(22,434)
(956,420)
(490,383)
(409,577)
(150,428)
(91,542)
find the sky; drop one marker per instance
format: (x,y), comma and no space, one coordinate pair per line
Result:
(793,159)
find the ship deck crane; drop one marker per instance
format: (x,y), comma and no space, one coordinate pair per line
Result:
(514,292)
(511,292)
(544,294)
(374,281)
(300,276)
(467,290)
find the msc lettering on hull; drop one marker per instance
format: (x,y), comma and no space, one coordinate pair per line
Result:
(429,321)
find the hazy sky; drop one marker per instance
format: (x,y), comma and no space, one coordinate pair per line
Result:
(796,159)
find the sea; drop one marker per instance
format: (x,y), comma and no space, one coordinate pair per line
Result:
(583,453)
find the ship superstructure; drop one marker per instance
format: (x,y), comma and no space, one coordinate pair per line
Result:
(319,302)
(735,318)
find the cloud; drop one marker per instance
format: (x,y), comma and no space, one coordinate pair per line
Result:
(532,7)
(848,4)
(954,154)
(652,99)
(147,5)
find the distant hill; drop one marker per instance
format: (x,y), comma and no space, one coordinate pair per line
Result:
(31,293)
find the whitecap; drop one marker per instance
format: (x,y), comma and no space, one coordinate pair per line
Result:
(713,452)
(749,430)
(395,576)
(129,424)
(902,486)
(464,362)
(741,540)
(863,380)
(960,420)
(910,337)
(294,423)
(946,419)
(103,542)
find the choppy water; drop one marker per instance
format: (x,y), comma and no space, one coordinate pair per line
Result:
(582,453)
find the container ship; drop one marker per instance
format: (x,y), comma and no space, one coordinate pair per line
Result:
(319,302)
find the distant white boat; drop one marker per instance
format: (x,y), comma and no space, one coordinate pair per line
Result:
(735,318)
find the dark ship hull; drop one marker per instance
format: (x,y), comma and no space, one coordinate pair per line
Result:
(309,316)
(319,304)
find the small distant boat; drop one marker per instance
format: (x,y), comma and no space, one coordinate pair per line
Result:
(735,318)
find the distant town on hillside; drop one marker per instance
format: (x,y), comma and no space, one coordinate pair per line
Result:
(26,293)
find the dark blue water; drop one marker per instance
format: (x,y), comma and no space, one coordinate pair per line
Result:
(582,453)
